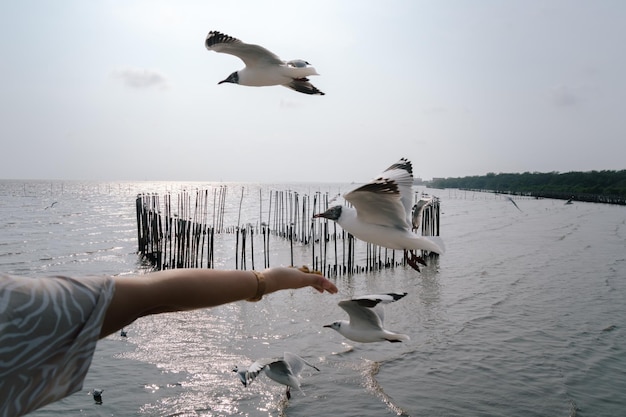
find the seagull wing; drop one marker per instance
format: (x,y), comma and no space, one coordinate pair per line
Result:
(514,203)
(362,314)
(251,55)
(280,367)
(302,85)
(423,202)
(375,302)
(418,209)
(402,173)
(378,202)
(255,369)
(281,372)
(385,298)
(296,363)
(386,200)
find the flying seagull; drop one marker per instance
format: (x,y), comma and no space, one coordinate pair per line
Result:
(514,203)
(418,209)
(366,319)
(382,213)
(285,371)
(263,68)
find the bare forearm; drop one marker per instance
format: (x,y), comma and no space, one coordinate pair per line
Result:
(186,289)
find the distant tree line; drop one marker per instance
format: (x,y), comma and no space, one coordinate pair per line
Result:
(594,186)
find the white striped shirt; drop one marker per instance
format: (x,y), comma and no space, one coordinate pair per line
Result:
(48,333)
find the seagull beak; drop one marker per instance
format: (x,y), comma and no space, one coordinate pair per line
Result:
(330,326)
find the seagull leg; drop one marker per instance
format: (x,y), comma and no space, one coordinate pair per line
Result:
(413,259)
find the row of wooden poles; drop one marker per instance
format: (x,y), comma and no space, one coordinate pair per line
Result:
(180,232)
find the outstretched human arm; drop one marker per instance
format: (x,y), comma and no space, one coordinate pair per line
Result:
(188,289)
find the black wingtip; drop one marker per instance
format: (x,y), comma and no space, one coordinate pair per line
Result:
(214,37)
(380,185)
(403,163)
(396,296)
(366,302)
(302,85)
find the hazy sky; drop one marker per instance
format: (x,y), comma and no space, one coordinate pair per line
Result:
(126,90)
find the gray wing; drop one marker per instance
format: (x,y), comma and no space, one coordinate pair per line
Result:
(251,55)
(255,369)
(280,366)
(386,200)
(375,302)
(362,315)
(296,363)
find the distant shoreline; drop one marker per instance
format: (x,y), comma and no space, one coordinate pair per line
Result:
(588,198)
(607,187)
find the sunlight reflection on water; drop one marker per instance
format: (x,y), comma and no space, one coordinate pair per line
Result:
(511,321)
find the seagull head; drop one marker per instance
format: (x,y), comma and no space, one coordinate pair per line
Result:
(332,213)
(232,78)
(335,326)
(242,375)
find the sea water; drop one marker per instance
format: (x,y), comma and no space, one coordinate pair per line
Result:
(523,315)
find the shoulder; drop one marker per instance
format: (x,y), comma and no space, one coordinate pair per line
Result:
(18,290)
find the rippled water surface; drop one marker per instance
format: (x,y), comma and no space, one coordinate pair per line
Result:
(523,316)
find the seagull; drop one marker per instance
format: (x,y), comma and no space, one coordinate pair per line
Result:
(382,213)
(263,68)
(366,319)
(514,203)
(97,395)
(418,209)
(285,371)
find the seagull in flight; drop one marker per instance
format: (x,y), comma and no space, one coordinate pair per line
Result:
(263,68)
(514,203)
(285,371)
(366,319)
(381,214)
(418,209)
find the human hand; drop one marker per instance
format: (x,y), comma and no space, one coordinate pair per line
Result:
(282,278)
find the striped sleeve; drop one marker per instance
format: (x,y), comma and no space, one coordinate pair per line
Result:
(49,328)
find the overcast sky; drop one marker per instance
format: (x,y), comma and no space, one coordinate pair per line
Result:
(126,90)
